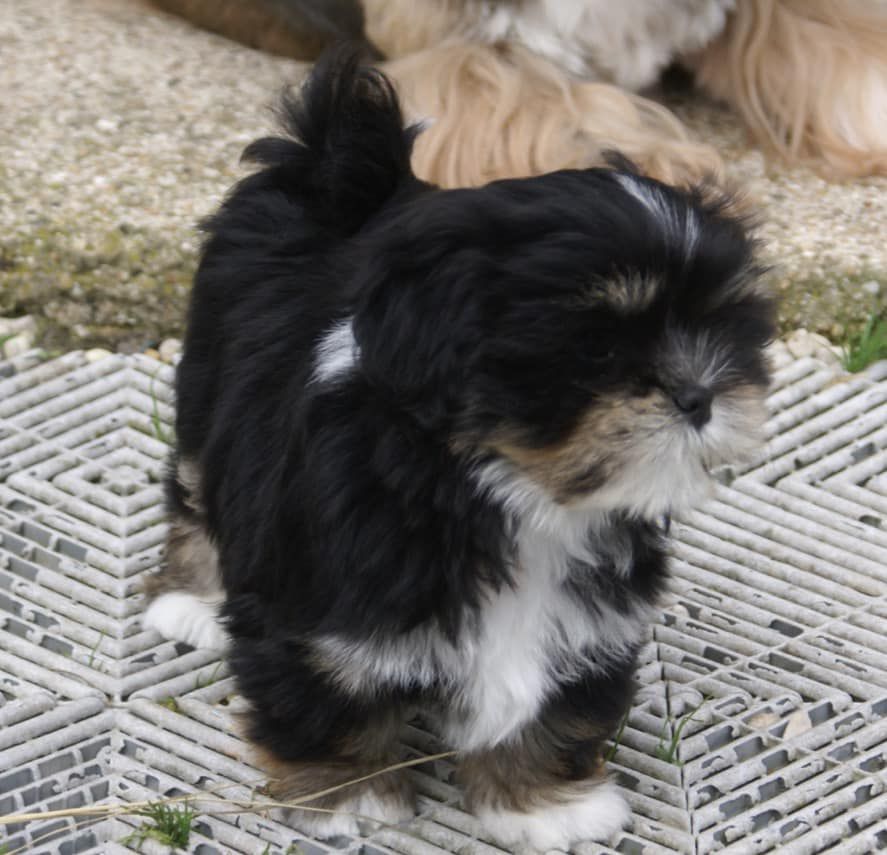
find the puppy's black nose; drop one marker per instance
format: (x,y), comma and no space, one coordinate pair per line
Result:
(695,402)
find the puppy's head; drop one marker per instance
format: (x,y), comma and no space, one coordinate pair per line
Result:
(591,337)
(595,335)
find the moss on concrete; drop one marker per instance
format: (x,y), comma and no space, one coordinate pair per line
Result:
(835,305)
(125,289)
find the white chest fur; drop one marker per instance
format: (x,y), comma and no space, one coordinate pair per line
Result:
(525,640)
(531,638)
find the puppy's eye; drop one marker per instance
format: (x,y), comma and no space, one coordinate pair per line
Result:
(603,357)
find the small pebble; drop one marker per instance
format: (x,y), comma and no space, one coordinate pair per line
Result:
(96,353)
(798,722)
(14,326)
(780,356)
(169,349)
(803,343)
(871,287)
(763,720)
(18,344)
(679,610)
(799,344)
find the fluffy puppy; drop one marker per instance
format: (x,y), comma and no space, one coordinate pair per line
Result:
(426,442)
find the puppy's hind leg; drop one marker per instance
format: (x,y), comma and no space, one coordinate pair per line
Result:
(346,808)
(323,748)
(185,595)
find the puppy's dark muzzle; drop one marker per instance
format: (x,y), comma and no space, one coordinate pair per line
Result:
(695,403)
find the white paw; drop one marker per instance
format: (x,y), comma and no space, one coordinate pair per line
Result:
(183,617)
(352,814)
(597,815)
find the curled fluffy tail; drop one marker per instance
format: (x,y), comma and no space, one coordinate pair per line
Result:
(347,150)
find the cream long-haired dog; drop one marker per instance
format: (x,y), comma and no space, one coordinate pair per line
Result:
(529,86)
(523,87)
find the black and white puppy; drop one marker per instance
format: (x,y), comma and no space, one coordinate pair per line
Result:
(426,440)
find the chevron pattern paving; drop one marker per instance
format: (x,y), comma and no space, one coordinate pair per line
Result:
(760,726)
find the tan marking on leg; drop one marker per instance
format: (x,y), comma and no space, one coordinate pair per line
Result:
(550,762)
(359,754)
(192,561)
(192,564)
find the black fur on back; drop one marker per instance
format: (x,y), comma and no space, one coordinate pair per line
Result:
(483,319)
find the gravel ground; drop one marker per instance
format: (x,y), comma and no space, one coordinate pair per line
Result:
(122,126)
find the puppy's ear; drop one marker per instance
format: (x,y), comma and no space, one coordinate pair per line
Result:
(347,149)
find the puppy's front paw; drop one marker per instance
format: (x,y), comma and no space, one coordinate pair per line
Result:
(181,616)
(595,815)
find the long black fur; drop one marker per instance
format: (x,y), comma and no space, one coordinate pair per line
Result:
(349,507)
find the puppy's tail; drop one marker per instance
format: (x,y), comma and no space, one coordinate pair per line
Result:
(347,149)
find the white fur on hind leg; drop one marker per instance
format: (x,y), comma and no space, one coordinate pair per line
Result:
(596,815)
(346,819)
(180,616)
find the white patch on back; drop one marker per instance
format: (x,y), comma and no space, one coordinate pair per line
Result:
(596,815)
(336,353)
(180,616)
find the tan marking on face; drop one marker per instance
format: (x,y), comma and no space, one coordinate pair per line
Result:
(624,294)
(628,295)
(595,450)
